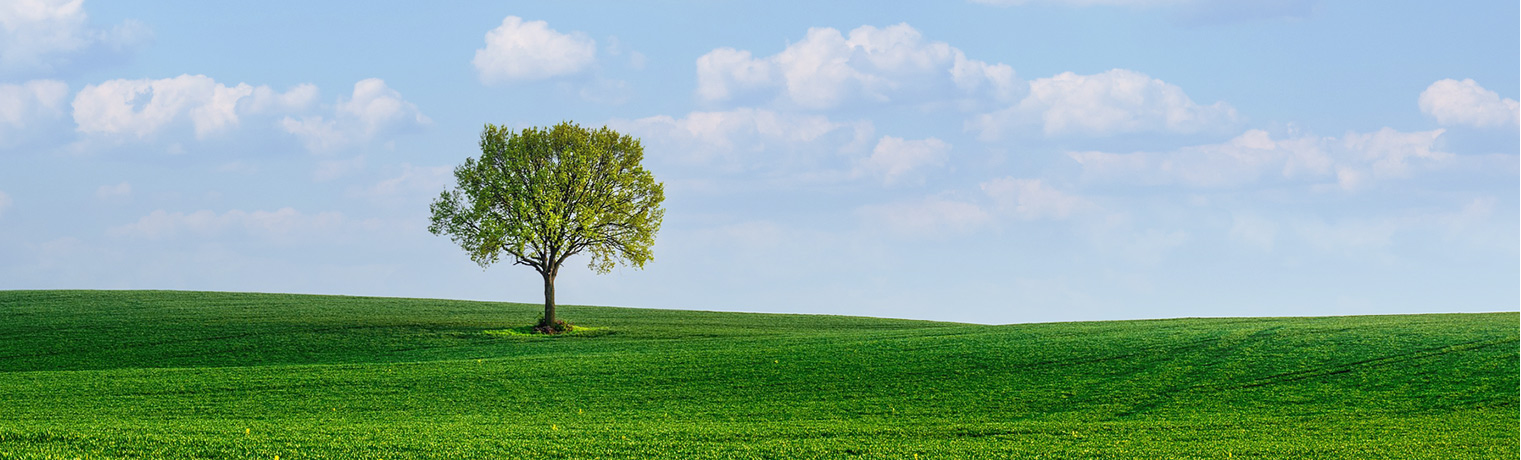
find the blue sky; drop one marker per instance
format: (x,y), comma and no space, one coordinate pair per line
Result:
(991,162)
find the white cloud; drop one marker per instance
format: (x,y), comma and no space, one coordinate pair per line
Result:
(724,71)
(142,109)
(318,134)
(19,103)
(1245,159)
(146,110)
(785,148)
(1454,102)
(895,158)
(519,50)
(1115,102)
(268,101)
(372,110)
(927,217)
(376,106)
(1388,154)
(281,224)
(114,192)
(25,106)
(1032,199)
(897,65)
(5,203)
(729,136)
(42,36)
(826,69)
(1353,162)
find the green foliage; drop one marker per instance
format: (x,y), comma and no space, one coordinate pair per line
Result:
(179,375)
(548,326)
(542,195)
(532,332)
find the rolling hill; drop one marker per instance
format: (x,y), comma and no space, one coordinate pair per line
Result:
(167,374)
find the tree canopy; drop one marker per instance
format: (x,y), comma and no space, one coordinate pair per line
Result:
(541,195)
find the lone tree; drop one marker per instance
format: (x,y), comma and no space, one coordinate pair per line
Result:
(541,195)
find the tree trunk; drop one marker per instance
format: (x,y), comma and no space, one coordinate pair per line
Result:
(549,300)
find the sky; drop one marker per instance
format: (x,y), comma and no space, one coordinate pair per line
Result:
(992,161)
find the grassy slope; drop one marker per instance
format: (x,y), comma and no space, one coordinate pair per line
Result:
(221,375)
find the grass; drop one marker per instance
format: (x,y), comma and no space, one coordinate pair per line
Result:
(153,374)
(528,332)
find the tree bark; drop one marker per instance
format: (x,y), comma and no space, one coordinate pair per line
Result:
(549,300)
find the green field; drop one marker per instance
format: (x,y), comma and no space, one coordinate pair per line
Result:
(155,374)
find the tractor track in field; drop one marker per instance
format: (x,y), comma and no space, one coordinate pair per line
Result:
(1172,347)
(1161,397)
(1364,364)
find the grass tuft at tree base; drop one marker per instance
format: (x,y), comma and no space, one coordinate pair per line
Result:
(565,330)
(557,326)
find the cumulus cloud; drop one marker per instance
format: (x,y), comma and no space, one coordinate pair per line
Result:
(374,108)
(1245,159)
(142,109)
(932,216)
(729,136)
(826,69)
(147,110)
(1353,161)
(281,224)
(1115,102)
(1454,102)
(786,146)
(44,36)
(265,100)
(897,65)
(894,159)
(26,106)
(1032,199)
(1387,154)
(529,50)
(725,71)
